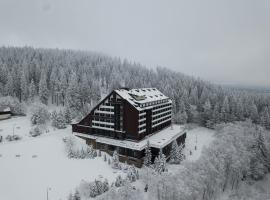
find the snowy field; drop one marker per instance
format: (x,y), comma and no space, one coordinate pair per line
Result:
(31,165)
(198,137)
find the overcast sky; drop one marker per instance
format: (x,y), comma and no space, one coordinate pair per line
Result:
(224,41)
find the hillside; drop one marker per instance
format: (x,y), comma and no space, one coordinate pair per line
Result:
(78,79)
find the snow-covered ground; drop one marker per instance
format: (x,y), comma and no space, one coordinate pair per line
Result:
(29,166)
(198,137)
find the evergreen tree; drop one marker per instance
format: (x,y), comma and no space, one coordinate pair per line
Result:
(54,118)
(9,88)
(99,153)
(225,110)
(73,96)
(148,155)
(58,120)
(207,114)
(181,152)
(115,160)
(70,196)
(175,154)
(132,174)
(43,90)
(265,118)
(61,122)
(76,195)
(263,150)
(24,88)
(216,115)
(32,90)
(160,163)
(106,186)
(68,117)
(254,116)
(119,181)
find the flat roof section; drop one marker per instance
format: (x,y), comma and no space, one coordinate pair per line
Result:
(157,140)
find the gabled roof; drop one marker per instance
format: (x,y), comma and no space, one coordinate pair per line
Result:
(137,97)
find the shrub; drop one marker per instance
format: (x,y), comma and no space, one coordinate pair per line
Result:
(119,182)
(93,189)
(39,114)
(36,131)
(74,152)
(58,120)
(132,174)
(13,137)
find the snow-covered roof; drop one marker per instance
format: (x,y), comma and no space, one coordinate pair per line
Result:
(141,96)
(157,140)
(4,109)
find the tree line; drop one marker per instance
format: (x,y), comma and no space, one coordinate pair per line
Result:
(79,79)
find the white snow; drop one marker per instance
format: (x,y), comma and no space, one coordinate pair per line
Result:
(31,165)
(203,136)
(200,137)
(145,96)
(20,125)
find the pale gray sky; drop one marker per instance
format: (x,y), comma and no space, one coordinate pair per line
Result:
(225,41)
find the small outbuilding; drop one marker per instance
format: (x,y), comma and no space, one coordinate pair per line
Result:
(5,112)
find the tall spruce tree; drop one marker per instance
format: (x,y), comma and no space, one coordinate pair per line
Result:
(175,154)
(265,118)
(32,90)
(43,90)
(160,163)
(148,155)
(24,88)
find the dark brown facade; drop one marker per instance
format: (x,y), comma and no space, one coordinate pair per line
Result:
(122,115)
(117,118)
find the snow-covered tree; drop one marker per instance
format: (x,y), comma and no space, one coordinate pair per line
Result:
(39,114)
(68,116)
(61,122)
(148,155)
(132,174)
(160,163)
(253,112)
(119,181)
(73,96)
(176,154)
(181,117)
(115,160)
(32,90)
(104,157)
(58,119)
(23,87)
(54,118)
(9,87)
(43,90)
(265,118)
(76,195)
(225,110)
